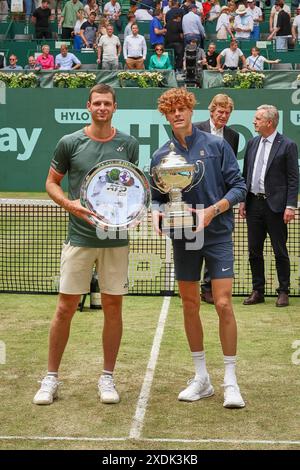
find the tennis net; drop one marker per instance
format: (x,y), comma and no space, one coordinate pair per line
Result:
(33,231)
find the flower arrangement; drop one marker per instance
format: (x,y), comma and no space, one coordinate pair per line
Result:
(74,80)
(19,80)
(143,79)
(244,80)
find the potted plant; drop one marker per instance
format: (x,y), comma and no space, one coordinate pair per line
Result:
(244,80)
(74,80)
(140,79)
(19,80)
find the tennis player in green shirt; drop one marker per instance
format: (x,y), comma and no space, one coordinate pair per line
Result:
(75,155)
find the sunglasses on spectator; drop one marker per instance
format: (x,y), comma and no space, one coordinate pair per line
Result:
(159,49)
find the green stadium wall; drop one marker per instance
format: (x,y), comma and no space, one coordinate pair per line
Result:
(33,120)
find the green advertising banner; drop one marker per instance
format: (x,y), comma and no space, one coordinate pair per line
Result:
(33,120)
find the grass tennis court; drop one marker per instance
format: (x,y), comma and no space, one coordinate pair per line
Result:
(268,379)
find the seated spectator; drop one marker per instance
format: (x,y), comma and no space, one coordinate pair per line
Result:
(157,31)
(66,60)
(131,19)
(92,6)
(112,10)
(13,59)
(40,18)
(255,62)
(2,61)
(296,25)
(215,10)
(109,50)
(46,60)
(77,42)
(200,56)
(135,49)
(243,23)
(160,60)
(88,31)
(211,57)
(232,56)
(32,65)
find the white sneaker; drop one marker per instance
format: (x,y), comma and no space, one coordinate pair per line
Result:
(197,388)
(47,392)
(107,390)
(233,397)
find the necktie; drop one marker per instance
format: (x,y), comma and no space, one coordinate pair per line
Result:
(259,166)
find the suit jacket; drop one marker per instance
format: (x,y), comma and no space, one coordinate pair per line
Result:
(282,172)
(231,136)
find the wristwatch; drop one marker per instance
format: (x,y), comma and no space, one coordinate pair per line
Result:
(217,209)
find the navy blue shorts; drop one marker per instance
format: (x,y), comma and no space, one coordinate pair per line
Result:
(188,263)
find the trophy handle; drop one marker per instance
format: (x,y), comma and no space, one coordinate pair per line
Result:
(198,179)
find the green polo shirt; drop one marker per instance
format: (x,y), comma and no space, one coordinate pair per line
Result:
(69,13)
(76,154)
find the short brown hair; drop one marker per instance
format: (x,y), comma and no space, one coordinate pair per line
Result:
(176,97)
(102,88)
(221,100)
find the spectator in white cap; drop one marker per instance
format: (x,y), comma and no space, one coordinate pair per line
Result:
(296,25)
(223,27)
(243,23)
(257,17)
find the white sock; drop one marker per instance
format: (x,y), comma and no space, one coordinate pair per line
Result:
(200,364)
(107,372)
(229,376)
(52,374)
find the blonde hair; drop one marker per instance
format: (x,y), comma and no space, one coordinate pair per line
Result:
(221,100)
(176,97)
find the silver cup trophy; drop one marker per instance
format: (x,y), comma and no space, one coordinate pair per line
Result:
(173,175)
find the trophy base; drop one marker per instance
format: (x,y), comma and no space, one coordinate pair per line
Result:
(175,220)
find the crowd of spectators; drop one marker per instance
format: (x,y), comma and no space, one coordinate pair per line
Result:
(90,24)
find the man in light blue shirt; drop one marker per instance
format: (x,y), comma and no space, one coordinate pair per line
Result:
(13,59)
(66,60)
(135,49)
(192,27)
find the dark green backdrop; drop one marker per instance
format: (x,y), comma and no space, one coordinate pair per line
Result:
(32,121)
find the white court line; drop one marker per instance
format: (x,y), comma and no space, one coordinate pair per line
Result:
(166,440)
(138,420)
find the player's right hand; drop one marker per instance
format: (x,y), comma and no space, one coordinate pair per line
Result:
(75,208)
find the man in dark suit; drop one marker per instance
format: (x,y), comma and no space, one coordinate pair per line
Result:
(272,177)
(220,109)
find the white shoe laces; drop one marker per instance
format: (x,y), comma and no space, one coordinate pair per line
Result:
(107,384)
(47,385)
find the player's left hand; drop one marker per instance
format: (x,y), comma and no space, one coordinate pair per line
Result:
(204,217)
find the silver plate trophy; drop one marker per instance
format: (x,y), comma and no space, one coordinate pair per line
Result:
(118,192)
(173,175)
